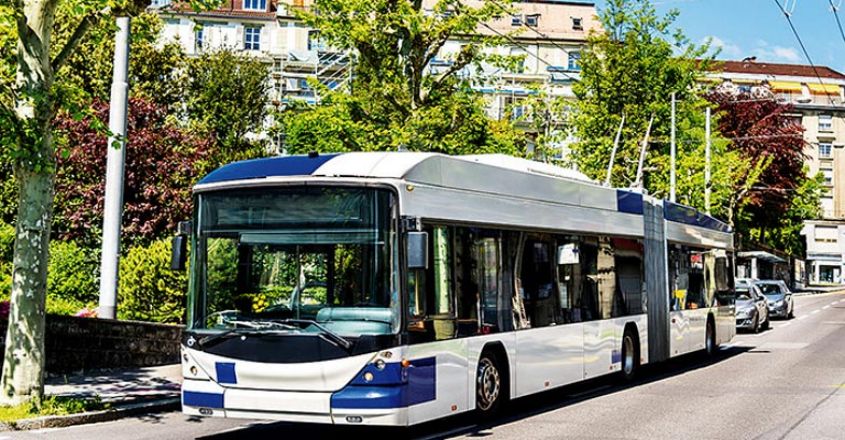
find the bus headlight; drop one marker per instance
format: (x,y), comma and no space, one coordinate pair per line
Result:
(379,363)
(368,376)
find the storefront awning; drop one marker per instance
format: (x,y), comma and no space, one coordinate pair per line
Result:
(761,255)
(824,89)
(785,86)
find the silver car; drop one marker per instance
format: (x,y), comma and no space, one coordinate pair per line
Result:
(752,310)
(779,298)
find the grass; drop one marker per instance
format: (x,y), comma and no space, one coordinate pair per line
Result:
(51,406)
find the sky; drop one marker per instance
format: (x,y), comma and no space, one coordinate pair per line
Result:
(744,28)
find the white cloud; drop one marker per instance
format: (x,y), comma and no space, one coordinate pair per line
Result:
(726,48)
(777,54)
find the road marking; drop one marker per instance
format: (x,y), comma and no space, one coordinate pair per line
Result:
(801,317)
(785,324)
(834,322)
(815,311)
(826,307)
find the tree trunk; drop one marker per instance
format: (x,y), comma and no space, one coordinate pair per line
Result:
(23,362)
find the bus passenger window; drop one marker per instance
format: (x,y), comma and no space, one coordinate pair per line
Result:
(629,277)
(569,280)
(537,280)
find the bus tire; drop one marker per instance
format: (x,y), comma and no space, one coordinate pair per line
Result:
(710,347)
(630,354)
(490,384)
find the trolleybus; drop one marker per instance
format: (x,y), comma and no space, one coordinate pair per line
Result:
(397,288)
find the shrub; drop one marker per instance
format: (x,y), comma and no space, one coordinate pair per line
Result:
(57,305)
(149,290)
(74,274)
(7,243)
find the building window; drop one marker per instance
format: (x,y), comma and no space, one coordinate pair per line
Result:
(577,24)
(825,151)
(255,5)
(532,20)
(198,38)
(516,20)
(825,123)
(314,41)
(574,61)
(828,177)
(252,38)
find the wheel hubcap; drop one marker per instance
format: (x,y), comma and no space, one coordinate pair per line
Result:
(489,384)
(628,359)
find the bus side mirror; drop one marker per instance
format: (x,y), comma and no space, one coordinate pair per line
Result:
(179,247)
(417,250)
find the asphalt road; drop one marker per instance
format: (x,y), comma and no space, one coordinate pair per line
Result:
(785,383)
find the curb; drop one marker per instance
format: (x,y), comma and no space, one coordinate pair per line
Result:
(94,416)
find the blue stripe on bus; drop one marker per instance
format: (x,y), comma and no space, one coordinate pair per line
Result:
(422,381)
(268,167)
(690,216)
(226,372)
(384,392)
(629,202)
(204,400)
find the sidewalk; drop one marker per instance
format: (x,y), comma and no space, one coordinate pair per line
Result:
(128,393)
(121,387)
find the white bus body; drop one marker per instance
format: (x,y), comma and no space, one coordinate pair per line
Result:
(494,223)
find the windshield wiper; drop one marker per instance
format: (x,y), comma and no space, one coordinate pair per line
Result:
(328,334)
(249,327)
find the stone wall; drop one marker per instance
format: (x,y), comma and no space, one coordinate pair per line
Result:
(83,344)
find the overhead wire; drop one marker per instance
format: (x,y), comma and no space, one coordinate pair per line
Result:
(788,16)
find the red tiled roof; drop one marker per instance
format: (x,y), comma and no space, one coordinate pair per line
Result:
(766,68)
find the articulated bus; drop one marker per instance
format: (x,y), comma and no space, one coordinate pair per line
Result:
(398,288)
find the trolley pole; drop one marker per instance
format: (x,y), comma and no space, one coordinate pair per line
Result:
(707,160)
(116,155)
(672,155)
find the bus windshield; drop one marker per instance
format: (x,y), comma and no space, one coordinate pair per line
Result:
(268,256)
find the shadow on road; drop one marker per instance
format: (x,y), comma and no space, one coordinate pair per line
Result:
(466,424)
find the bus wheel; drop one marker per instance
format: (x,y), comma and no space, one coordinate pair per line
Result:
(710,340)
(489,385)
(630,358)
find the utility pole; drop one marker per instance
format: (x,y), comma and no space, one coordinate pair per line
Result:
(672,155)
(116,151)
(707,160)
(613,151)
(638,183)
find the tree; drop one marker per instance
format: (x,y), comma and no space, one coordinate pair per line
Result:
(395,99)
(632,69)
(764,133)
(31,95)
(162,163)
(226,94)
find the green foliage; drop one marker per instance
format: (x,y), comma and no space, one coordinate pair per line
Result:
(154,67)
(73,278)
(632,69)
(51,406)
(57,305)
(394,100)
(7,241)
(149,290)
(805,204)
(226,94)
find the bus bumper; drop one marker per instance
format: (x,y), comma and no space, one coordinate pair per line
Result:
(208,399)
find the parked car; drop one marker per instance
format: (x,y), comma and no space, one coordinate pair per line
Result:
(752,310)
(779,298)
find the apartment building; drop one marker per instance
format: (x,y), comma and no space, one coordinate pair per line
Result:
(819,104)
(549,37)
